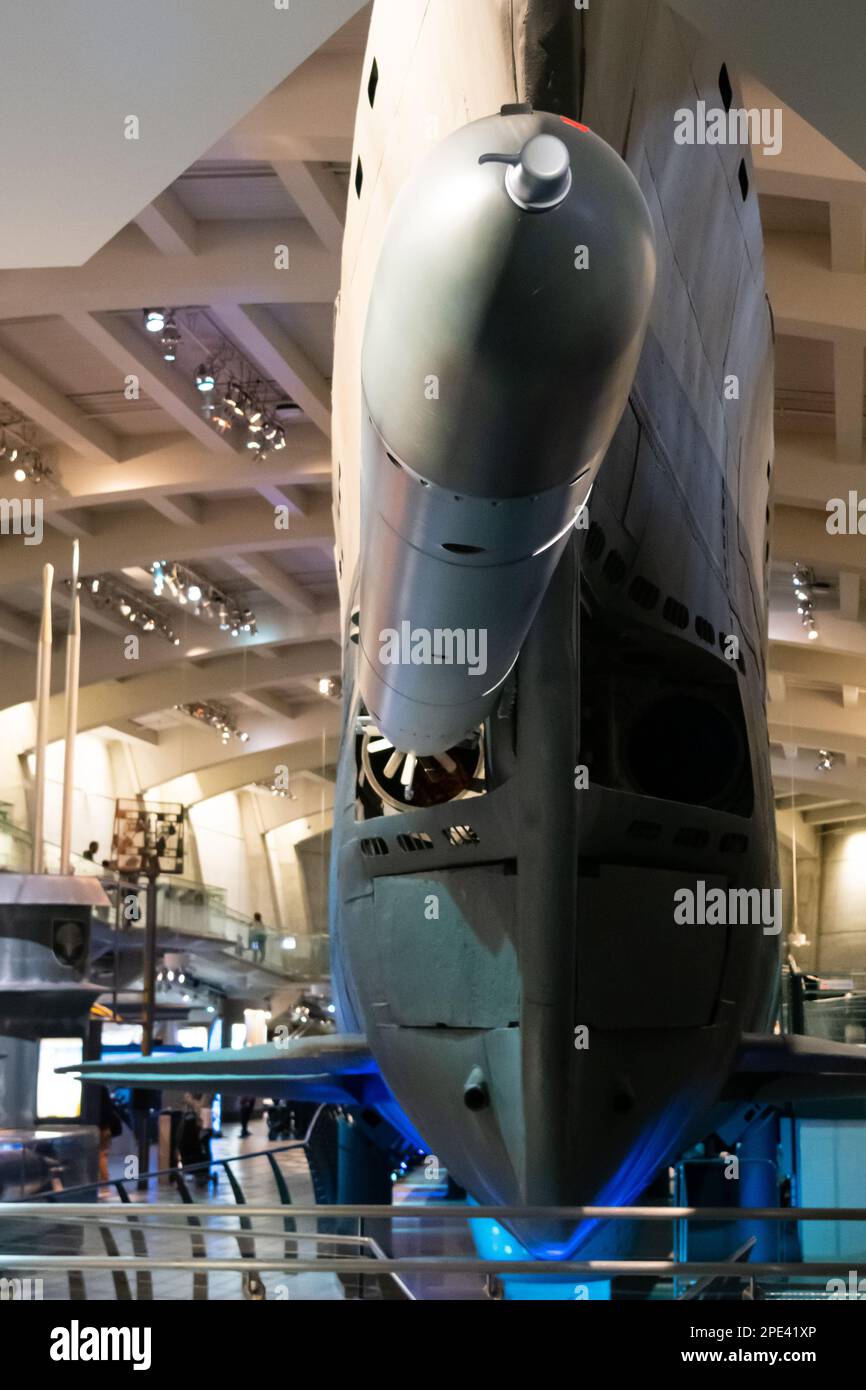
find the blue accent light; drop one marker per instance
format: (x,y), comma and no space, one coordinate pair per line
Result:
(494,1242)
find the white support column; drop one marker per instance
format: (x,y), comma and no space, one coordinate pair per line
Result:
(319,196)
(849,596)
(848,237)
(168,225)
(776,688)
(849,388)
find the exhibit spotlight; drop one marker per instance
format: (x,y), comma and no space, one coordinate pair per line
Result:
(170,339)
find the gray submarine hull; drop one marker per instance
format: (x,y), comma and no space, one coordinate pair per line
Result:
(474,938)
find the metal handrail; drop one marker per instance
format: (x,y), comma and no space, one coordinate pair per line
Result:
(119,1184)
(471,1213)
(191,1217)
(431,1264)
(391,1213)
(374,1261)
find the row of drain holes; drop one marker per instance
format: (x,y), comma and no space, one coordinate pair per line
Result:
(646,594)
(686,837)
(414,840)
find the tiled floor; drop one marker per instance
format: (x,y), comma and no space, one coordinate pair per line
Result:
(446,1233)
(257,1181)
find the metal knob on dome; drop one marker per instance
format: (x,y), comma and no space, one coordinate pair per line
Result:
(541,177)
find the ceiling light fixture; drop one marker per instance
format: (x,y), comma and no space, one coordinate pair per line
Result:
(190,589)
(205,379)
(217,718)
(107,595)
(804,584)
(170,340)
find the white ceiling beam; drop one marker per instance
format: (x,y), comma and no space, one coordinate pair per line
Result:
(312,684)
(236,260)
(836,815)
(185,73)
(227,528)
(168,225)
(800,533)
(19,631)
(130,353)
(276,811)
(264,574)
(180,468)
(808,164)
(840,783)
(820,668)
(849,388)
(102,651)
(49,408)
(849,596)
(310,116)
(817,720)
(190,788)
(320,196)
(129,729)
(776,686)
(278,496)
(806,801)
(257,332)
(271,702)
(809,299)
(815,734)
(848,237)
(221,676)
(298,500)
(806,471)
(183,511)
(322,779)
(73,523)
(835,634)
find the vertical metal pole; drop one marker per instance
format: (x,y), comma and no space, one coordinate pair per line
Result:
(73,660)
(148,1000)
(43,695)
(118,912)
(148,1007)
(796,1001)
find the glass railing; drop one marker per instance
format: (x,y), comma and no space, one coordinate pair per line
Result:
(15,843)
(184,906)
(823,1005)
(200,911)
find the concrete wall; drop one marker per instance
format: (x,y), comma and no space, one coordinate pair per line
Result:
(842,941)
(808,902)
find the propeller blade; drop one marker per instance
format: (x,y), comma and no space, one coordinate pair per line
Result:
(393,763)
